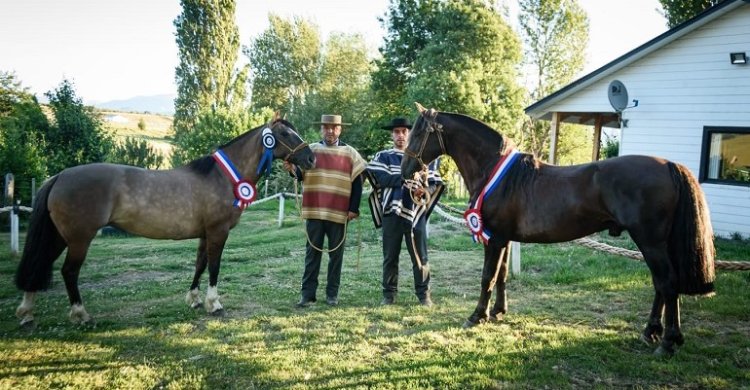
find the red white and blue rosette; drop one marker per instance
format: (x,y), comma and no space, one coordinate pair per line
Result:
(473,219)
(245,193)
(244,190)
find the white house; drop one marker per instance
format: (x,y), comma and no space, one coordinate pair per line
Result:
(692,84)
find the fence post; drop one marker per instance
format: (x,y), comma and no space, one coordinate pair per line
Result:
(515,258)
(281,209)
(14,229)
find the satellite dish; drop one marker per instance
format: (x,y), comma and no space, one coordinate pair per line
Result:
(618,95)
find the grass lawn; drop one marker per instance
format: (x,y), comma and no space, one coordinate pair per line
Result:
(574,320)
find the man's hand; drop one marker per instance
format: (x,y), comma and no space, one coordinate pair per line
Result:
(290,167)
(418,193)
(352,215)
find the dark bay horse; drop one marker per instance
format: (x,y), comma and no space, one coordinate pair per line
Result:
(660,204)
(193,201)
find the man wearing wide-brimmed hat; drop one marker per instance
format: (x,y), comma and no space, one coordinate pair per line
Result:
(393,208)
(330,198)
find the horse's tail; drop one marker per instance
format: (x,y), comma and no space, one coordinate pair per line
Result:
(43,245)
(691,246)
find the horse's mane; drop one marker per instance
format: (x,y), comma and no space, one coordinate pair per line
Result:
(204,165)
(525,168)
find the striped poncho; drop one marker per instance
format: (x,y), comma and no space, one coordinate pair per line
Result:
(328,186)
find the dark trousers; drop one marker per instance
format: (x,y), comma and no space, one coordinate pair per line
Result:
(317,230)
(396,230)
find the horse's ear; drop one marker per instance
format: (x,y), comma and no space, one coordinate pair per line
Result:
(420,108)
(432,113)
(276,116)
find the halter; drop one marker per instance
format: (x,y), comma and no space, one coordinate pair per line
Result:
(432,127)
(420,177)
(292,151)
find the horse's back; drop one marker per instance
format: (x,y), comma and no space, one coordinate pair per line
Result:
(151,203)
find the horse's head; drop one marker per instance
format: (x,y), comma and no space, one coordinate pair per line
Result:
(290,146)
(425,142)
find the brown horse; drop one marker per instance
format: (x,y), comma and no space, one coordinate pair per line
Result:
(658,202)
(193,201)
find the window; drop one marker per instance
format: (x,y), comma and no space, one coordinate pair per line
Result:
(725,156)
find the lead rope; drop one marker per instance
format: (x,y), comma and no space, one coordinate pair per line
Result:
(419,180)
(307,236)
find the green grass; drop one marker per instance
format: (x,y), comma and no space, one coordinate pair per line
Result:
(574,321)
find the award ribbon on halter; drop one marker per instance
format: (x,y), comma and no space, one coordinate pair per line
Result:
(473,216)
(244,190)
(269,142)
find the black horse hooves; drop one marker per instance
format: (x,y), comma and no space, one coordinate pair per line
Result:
(650,339)
(472,323)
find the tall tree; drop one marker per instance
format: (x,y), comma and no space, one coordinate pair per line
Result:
(77,136)
(22,147)
(207,79)
(555,35)
(678,11)
(284,63)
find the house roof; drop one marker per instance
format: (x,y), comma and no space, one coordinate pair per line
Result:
(539,109)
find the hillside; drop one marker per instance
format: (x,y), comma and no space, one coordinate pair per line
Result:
(125,124)
(158,104)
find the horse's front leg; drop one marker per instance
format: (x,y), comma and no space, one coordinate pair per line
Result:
(214,247)
(492,252)
(193,297)
(501,301)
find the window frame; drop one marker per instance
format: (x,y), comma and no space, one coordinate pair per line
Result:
(708,131)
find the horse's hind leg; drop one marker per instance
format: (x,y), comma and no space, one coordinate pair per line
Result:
(501,302)
(70,270)
(193,297)
(654,329)
(665,299)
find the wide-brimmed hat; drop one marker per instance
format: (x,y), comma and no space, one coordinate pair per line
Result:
(397,122)
(331,120)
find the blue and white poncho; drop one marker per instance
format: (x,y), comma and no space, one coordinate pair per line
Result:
(389,195)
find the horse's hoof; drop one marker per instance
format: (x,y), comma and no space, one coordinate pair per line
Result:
(664,351)
(196,305)
(218,313)
(497,317)
(649,340)
(27,324)
(470,324)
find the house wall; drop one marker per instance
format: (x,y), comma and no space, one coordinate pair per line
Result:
(682,87)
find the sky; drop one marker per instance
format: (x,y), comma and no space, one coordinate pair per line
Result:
(117,49)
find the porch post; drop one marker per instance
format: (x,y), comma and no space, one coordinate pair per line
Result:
(553,137)
(597,137)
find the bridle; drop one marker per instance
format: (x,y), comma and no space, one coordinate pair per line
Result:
(432,128)
(419,180)
(292,151)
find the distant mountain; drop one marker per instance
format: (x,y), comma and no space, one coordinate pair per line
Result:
(157,104)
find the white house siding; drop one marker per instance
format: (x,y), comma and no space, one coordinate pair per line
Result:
(682,87)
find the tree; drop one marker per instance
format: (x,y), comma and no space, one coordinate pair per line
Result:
(21,145)
(284,63)
(208,43)
(141,124)
(77,136)
(454,55)
(137,153)
(555,34)
(678,11)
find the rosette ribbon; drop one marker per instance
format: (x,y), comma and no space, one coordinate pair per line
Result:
(473,215)
(244,190)
(269,142)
